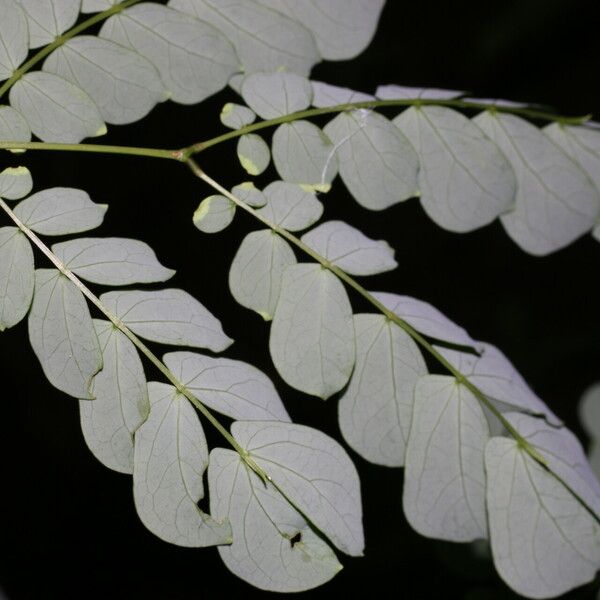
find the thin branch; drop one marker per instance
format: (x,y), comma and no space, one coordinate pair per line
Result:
(315,112)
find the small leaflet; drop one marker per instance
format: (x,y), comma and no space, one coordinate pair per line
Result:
(16,276)
(444,477)
(231,387)
(214,214)
(272,95)
(253,153)
(273,548)
(342,28)
(581,145)
(60,211)
(248,193)
(314,472)
(265,39)
(13,127)
(121,402)
(47,19)
(555,202)
(498,379)
(464,179)
(375,411)
(169,316)
(544,541)
(303,154)
(377,163)
(398,92)
(425,318)
(56,110)
(349,249)
(291,207)
(236,116)
(15,183)
(15,38)
(589,417)
(564,454)
(257,270)
(112,261)
(62,334)
(325,95)
(194,60)
(170,458)
(122,83)
(312,336)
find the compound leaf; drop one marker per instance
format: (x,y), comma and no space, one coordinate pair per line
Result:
(112,261)
(170,458)
(60,211)
(231,387)
(314,472)
(303,154)
(444,480)
(312,336)
(168,317)
(62,334)
(257,269)
(349,249)
(55,109)
(194,59)
(375,411)
(47,19)
(16,276)
(555,201)
(121,402)
(265,40)
(464,179)
(544,541)
(290,206)
(274,548)
(377,163)
(15,182)
(272,95)
(123,84)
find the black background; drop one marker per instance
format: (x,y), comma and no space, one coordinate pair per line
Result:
(68,528)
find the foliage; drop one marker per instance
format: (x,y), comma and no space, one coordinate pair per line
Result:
(484,457)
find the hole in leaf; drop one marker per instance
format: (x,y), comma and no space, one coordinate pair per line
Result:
(296,539)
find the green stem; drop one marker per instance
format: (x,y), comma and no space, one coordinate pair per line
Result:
(62,39)
(351,282)
(315,112)
(95,148)
(181,388)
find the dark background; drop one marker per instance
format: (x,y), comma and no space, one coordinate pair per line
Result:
(68,528)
